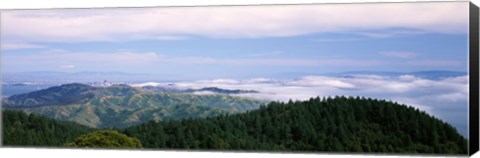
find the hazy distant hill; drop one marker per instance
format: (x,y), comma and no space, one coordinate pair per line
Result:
(433,75)
(122,105)
(60,95)
(215,90)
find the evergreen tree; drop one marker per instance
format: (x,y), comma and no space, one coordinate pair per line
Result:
(334,124)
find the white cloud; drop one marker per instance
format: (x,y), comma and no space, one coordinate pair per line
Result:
(407,77)
(266,54)
(14,46)
(51,59)
(116,60)
(192,60)
(320,81)
(67,66)
(404,55)
(444,98)
(147,84)
(452,97)
(130,57)
(386,34)
(230,22)
(365,85)
(435,63)
(260,80)
(309,62)
(265,61)
(219,81)
(173,38)
(338,39)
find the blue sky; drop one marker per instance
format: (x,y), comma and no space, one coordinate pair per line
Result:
(238,42)
(316,54)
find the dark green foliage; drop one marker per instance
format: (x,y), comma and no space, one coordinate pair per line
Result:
(105,139)
(21,129)
(338,124)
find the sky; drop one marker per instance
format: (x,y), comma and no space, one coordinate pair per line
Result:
(238,41)
(283,51)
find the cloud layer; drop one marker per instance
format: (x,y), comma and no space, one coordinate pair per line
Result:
(444,98)
(229,22)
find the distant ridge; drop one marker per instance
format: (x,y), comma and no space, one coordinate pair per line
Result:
(73,93)
(433,74)
(121,105)
(427,74)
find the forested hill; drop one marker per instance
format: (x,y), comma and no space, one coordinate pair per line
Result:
(335,125)
(21,129)
(120,106)
(318,125)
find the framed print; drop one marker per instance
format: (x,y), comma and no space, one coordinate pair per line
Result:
(360,78)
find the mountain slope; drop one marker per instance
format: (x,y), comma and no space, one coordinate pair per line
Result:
(335,125)
(64,94)
(121,105)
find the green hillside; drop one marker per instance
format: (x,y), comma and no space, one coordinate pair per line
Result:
(59,95)
(318,125)
(122,106)
(333,125)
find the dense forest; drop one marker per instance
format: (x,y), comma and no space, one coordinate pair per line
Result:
(22,129)
(340,124)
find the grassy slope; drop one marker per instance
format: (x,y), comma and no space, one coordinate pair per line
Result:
(121,106)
